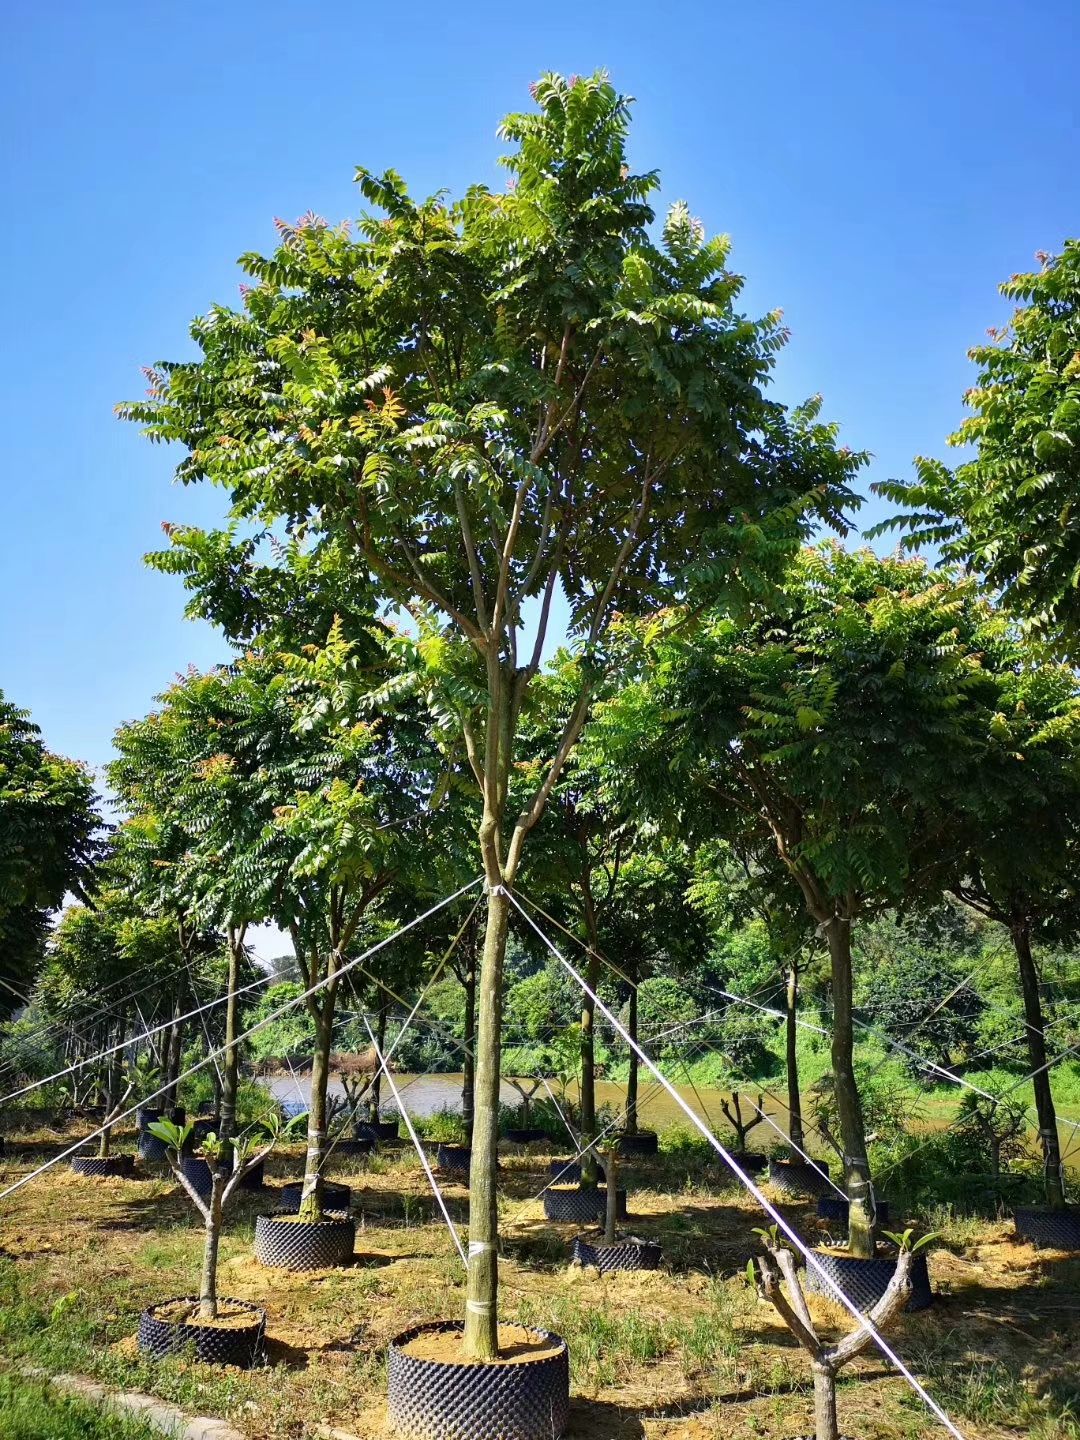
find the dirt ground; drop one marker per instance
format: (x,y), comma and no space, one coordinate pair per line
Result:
(687,1352)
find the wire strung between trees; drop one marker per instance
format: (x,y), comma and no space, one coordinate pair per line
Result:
(134,1040)
(251,1030)
(808,1255)
(419,1148)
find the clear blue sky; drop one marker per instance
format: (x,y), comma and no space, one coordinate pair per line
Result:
(880,168)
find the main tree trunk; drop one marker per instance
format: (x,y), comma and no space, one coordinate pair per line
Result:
(481,1308)
(852,1130)
(1040,1075)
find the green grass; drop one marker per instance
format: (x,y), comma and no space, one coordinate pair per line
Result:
(33,1410)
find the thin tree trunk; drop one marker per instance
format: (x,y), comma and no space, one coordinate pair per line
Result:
(112,1087)
(825,1424)
(1040,1079)
(481,1309)
(632,1074)
(375,1098)
(612,1181)
(468,1079)
(852,1129)
(231,1069)
(208,1301)
(311,1196)
(791,1037)
(174,1052)
(589,1172)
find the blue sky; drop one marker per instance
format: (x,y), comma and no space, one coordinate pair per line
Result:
(880,167)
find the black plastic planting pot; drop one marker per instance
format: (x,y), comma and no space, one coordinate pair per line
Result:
(440,1400)
(799,1178)
(197,1173)
(363,1146)
(567,1204)
(145,1115)
(334,1197)
(379,1130)
(750,1161)
(568,1172)
(240,1345)
(290,1244)
(151,1148)
(641,1142)
(1056,1229)
(628,1254)
(203,1127)
(526,1137)
(455,1159)
(831,1207)
(113,1167)
(865,1281)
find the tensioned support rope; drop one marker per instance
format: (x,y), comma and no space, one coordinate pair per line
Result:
(777,1218)
(382,1059)
(251,1030)
(133,1040)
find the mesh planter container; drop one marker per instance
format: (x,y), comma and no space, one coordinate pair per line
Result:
(568,1172)
(253,1180)
(436,1400)
(240,1345)
(831,1207)
(865,1281)
(1056,1229)
(383,1129)
(197,1172)
(642,1142)
(151,1148)
(202,1127)
(335,1197)
(363,1146)
(289,1244)
(628,1254)
(799,1178)
(526,1137)
(568,1204)
(455,1159)
(113,1167)
(146,1115)
(750,1161)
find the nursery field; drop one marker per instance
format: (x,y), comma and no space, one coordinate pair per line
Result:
(688,1351)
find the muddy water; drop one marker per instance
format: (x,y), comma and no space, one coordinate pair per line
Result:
(426,1094)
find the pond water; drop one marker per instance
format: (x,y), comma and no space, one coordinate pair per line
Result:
(426,1094)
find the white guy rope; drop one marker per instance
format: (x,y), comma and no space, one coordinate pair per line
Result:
(416,1142)
(133,1040)
(778,1219)
(251,1030)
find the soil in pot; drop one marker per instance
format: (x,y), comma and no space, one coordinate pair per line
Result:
(437,1393)
(233,1337)
(750,1161)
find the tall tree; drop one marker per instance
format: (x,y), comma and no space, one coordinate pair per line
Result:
(1010,511)
(842,726)
(486,402)
(49,823)
(1023,853)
